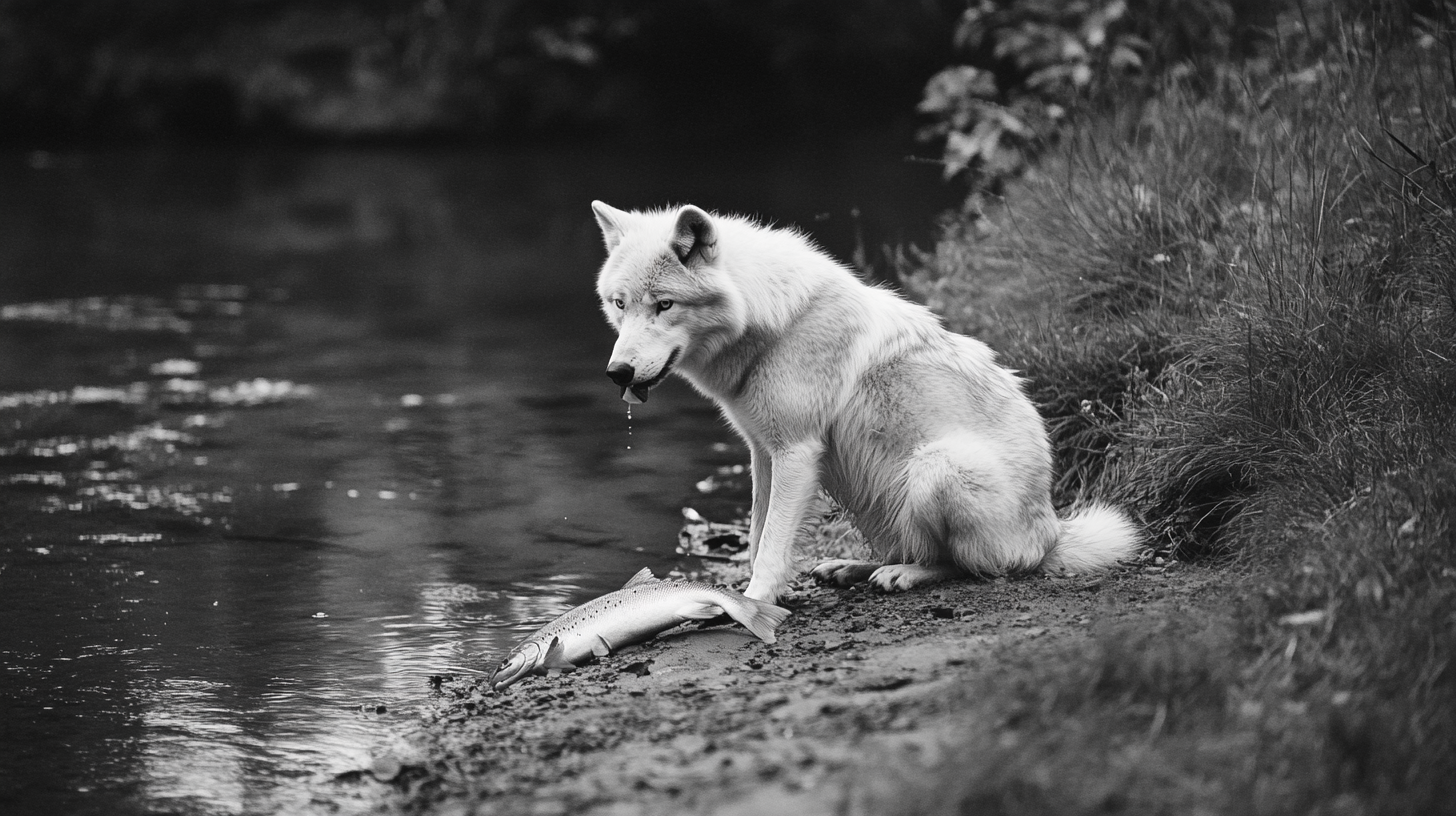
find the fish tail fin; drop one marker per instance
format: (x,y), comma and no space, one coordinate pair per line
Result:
(759,617)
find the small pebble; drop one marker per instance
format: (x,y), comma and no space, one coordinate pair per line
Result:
(385,768)
(640,668)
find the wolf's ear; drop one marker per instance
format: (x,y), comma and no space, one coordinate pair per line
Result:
(612,221)
(694,239)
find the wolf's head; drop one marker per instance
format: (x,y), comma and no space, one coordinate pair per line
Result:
(663,292)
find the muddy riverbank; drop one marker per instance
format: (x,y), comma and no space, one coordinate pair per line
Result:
(862,692)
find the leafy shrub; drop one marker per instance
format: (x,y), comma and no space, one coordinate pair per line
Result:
(1030,63)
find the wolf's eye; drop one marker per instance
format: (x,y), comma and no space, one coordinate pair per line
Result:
(663,305)
(618,303)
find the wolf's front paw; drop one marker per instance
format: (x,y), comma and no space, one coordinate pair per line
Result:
(900,577)
(843,571)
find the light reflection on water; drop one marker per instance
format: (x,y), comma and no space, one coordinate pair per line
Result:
(241,526)
(232,704)
(249,593)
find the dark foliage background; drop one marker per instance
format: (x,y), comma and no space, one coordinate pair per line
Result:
(408,69)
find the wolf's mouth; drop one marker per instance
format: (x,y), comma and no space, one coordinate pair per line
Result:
(637,394)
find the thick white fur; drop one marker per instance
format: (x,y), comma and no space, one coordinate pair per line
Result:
(932,447)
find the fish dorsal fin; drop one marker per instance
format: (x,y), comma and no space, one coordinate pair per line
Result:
(643,576)
(556,657)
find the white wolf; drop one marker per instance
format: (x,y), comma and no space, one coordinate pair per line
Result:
(941,459)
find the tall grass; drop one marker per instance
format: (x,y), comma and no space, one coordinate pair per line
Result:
(1330,357)
(1246,294)
(1236,307)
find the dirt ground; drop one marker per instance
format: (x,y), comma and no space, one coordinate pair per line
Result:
(860,686)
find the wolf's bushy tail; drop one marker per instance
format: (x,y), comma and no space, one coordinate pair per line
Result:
(1093,538)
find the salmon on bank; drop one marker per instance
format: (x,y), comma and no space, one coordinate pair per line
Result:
(644,607)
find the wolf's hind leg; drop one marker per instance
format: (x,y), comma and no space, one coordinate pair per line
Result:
(843,571)
(900,577)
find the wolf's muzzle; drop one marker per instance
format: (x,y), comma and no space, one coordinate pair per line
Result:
(624,373)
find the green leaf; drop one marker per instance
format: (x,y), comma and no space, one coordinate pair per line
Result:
(953,89)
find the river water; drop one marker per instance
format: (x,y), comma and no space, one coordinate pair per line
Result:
(283,434)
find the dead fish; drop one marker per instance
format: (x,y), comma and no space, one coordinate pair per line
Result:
(642,608)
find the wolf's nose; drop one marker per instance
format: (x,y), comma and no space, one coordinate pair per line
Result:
(621,373)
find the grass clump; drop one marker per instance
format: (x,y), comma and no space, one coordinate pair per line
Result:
(1357,624)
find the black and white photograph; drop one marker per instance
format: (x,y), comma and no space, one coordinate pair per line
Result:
(727,407)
